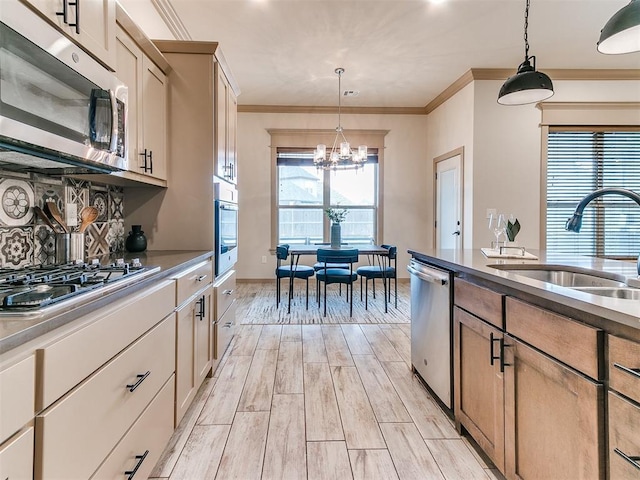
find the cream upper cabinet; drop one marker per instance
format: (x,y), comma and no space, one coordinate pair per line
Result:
(91,23)
(226,119)
(147,114)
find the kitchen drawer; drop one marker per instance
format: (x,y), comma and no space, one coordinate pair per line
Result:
(624,425)
(192,280)
(624,367)
(480,301)
(147,438)
(225,292)
(16,457)
(573,343)
(75,434)
(17,397)
(67,361)
(225,329)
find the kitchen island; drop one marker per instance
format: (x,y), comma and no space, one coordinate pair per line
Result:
(545,376)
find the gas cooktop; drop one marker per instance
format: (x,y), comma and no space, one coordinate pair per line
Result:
(34,288)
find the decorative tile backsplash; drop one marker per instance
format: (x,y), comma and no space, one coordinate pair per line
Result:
(26,240)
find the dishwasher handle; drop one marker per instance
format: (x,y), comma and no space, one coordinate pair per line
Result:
(429,275)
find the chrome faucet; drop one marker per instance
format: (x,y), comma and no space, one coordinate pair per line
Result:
(575,222)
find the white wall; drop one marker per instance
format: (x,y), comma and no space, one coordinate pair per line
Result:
(507,143)
(407,207)
(450,126)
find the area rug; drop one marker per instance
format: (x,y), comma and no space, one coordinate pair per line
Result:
(257,305)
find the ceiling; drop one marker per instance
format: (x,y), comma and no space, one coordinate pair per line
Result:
(396,53)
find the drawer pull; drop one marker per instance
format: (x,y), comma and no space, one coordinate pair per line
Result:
(130,473)
(631,371)
(632,460)
(200,278)
(141,378)
(227,292)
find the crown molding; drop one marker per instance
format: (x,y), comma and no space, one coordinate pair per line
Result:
(504,73)
(171,19)
(465,79)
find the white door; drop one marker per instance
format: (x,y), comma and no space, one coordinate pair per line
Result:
(449,203)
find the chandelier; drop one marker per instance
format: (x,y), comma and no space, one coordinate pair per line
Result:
(341,153)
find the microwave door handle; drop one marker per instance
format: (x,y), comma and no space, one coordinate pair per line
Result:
(113,144)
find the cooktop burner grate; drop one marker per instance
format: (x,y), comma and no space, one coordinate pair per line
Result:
(39,286)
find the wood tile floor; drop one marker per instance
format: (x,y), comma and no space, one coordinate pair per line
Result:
(318,402)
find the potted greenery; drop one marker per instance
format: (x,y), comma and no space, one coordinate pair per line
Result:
(512,230)
(337,216)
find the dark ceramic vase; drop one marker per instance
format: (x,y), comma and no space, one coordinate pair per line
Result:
(136,241)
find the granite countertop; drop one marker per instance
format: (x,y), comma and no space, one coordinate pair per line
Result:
(17,329)
(473,262)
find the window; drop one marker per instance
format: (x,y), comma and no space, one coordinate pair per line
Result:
(304,192)
(579,161)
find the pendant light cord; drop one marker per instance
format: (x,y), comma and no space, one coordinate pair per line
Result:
(526,27)
(339,72)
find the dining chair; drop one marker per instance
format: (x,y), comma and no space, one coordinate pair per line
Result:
(287,271)
(387,270)
(329,274)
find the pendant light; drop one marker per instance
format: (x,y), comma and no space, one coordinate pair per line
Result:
(527,85)
(341,153)
(621,34)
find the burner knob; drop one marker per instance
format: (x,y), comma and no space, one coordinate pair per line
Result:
(119,262)
(136,263)
(95,261)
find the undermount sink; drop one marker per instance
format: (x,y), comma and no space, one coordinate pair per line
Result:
(626,293)
(572,277)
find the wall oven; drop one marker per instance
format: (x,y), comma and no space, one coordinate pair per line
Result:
(226,227)
(59,108)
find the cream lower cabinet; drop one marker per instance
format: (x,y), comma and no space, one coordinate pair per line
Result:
(90,23)
(147,114)
(76,434)
(224,313)
(16,456)
(193,353)
(531,393)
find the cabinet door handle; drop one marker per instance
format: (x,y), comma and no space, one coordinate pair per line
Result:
(150,161)
(228,325)
(632,460)
(63,13)
(76,4)
(131,473)
(200,278)
(631,371)
(502,362)
(201,312)
(141,378)
(227,292)
(492,357)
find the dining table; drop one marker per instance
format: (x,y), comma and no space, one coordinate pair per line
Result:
(296,251)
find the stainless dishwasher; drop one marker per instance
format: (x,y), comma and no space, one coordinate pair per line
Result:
(431,327)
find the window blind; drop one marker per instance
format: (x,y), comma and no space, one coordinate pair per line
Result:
(578,162)
(304,158)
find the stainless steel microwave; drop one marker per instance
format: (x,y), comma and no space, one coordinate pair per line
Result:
(59,108)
